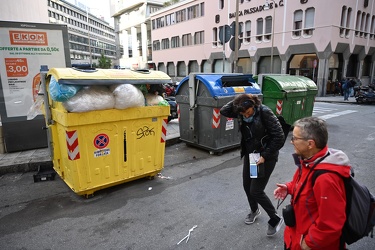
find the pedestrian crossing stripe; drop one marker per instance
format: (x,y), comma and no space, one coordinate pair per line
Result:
(345,112)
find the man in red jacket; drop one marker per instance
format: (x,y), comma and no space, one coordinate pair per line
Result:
(320,209)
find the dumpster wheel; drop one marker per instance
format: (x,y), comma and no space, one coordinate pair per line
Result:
(89,196)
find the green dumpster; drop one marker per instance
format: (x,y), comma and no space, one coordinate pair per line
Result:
(285,95)
(311,92)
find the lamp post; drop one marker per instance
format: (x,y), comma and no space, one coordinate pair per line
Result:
(272,32)
(88,34)
(236,39)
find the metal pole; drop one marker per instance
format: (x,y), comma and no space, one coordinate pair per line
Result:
(223,48)
(273,34)
(236,39)
(88,35)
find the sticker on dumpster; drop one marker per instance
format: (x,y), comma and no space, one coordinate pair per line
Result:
(239,89)
(101,141)
(229,124)
(72,145)
(102,152)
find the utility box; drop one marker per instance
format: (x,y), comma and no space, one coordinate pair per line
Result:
(102,148)
(287,95)
(200,97)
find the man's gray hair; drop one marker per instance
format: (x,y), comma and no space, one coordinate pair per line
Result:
(313,128)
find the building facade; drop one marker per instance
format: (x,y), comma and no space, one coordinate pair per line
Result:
(89,36)
(133,31)
(303,37)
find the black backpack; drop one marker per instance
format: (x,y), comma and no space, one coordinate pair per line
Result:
(360,210)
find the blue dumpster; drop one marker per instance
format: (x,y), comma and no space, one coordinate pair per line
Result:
(200,97)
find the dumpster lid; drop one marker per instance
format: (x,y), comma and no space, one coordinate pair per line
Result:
(225,84)
(108,76)
(286,83)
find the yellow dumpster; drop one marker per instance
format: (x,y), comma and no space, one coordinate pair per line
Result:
(97,149)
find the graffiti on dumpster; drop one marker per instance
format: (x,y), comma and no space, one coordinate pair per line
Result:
(144,132)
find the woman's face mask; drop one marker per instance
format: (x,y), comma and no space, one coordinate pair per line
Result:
(248,119)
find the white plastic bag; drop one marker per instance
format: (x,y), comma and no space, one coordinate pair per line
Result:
(36,108)
(90,98)
(152,99)
(127,96)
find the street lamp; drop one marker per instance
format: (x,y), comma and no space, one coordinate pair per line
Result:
(88,34)
(273,31)
(236,39)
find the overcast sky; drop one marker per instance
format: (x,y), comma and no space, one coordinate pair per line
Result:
(97,7)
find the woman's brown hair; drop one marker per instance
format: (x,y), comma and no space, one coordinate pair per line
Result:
(245,101)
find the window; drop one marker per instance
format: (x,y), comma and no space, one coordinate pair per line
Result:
(309,21)
(186,40)
(268,31)
(193,12)
(169,19)
(367,25)
(175,42)
(180,15)
(362,24)
(199,37)
(297,23)
(221,4)
(259,29)
(165,43)
(202,9)
(214,37)
(160,22)
(156,45)
(372,29)
(154,9)
(247,31)
(358,23)
(348,20)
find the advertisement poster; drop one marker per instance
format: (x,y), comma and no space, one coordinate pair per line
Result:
(24,48)
(22,51)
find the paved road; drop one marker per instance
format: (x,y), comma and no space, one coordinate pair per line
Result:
(195,188)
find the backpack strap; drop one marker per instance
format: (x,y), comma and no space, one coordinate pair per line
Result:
(348,193)
(307,177)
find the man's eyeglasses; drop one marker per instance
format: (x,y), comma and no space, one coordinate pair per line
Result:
(294,138)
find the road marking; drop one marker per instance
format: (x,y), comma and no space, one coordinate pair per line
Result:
(325,117)
(319,110)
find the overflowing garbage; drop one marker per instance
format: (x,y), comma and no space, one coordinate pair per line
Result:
(78,98)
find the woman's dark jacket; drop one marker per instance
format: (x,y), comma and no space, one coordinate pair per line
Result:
(263,135)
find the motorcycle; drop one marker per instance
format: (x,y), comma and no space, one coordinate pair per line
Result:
(365,94)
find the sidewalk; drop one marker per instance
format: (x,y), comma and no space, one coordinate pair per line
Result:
(27,161)
(335,99)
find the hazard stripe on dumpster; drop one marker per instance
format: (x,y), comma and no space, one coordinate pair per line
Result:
(279,107)
(303,104)
(164,130)
(72,145)
(216,118)
(178,112)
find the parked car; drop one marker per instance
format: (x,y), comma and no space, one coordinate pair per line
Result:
(173,107)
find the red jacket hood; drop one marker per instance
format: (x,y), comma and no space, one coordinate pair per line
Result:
(336,161)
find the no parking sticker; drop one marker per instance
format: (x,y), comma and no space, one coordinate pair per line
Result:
(100,142)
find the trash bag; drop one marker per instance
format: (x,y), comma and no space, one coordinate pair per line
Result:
(90,98)
(127,96)
(62,92)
